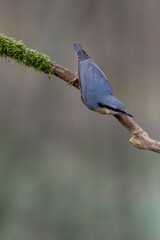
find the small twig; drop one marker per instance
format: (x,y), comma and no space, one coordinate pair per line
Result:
(140,138)
(17,51)
(64,74)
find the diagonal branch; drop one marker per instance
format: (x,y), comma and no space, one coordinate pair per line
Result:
(16,50)
(140,138)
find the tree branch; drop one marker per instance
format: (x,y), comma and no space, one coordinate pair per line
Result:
(16,50)
(140,138)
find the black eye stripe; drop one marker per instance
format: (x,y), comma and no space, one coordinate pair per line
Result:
(110,108)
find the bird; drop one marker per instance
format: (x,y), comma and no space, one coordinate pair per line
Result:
(96,91)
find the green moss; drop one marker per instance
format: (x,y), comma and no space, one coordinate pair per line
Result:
(16,50)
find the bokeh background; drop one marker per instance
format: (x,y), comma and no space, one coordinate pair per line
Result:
(67,172)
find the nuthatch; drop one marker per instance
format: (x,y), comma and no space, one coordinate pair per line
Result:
(96,92)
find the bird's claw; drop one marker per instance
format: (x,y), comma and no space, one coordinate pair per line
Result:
(74,81)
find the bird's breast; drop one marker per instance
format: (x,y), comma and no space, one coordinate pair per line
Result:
(106,111)
(101,111)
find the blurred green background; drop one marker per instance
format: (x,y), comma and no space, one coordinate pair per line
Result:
(67,172)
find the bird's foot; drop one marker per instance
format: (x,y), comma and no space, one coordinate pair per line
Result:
(73,82)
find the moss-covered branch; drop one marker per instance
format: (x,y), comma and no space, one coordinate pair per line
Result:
(16,50)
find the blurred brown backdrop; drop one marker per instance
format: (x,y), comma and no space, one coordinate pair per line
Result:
(67,172)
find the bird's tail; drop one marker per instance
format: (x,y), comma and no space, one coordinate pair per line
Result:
(77,47)
(82,55)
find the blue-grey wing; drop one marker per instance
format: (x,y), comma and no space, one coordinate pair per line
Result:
(97,73)
(91,74)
